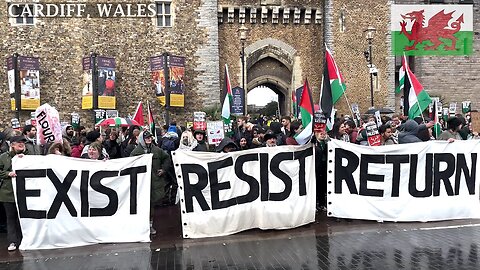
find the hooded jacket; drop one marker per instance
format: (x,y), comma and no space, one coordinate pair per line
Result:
(160,160)
(409,133)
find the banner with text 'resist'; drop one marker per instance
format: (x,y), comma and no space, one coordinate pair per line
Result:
(266,188)
(432,29)
(29,70)
(67,202)
(425,181)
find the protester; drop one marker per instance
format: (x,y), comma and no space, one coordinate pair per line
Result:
(454,124)
(62,148)
(276,129)
(199,135)
(95,151)
(226,146)
(286,121)
(68,133)
(187,141)
(386,134)
(160,165)
(294,128)
(409,132)
(243,144)
(270,139)
(14,232)
(30,133)
(130,142)
(241,131)
(78,144)
(111,145)
(351,130)
(320,141)
(338,131)
(94,136)
(258,137)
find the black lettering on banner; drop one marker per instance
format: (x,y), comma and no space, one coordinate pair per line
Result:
(301,156)
(133,172)
(396,161)
(345,173)
(194,190)
(84,204)
(444,175)
(469,177)
(23,193)
(264,186)
(95,183)
(62,196)
(254,191)
(215,186)
(412,182)
(275,169)
(365,176)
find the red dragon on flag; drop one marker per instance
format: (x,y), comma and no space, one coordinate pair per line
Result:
(438,28)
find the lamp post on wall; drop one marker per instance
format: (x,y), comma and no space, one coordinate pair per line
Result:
(369,32)
(243,37)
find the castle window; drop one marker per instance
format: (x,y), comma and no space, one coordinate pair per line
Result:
(164,13)
(21,14)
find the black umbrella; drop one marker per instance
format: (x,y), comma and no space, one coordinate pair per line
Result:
(381,110)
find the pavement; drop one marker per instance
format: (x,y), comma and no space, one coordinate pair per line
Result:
(328,243)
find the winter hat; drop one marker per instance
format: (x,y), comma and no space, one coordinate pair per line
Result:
(93,135)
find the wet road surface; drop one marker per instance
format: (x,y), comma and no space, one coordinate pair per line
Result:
(326,244)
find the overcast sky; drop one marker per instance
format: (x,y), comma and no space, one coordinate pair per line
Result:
(261,96)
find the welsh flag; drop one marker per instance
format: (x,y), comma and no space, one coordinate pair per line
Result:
(437,128)
(151,122)
(415,98)
(138,116)
(333,87)
(306,113)
(227,102)
(432,29)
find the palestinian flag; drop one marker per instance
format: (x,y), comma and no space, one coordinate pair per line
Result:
(437,128)
(138,115)
(227,102)
(294,104)
(306,113)
(414,28)
(415,98)
(401,79)
(151,122)
(333,87)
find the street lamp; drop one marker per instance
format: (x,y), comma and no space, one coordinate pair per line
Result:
(243,37)
(369,32)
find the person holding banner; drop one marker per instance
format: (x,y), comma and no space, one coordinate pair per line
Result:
(201,143)
(454,125)
(386,133)
(160,166)
(7,197)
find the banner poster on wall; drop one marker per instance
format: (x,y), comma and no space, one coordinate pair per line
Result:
(176,66)
(158,78)
(238,106)
(87,85)
(106,82)
(29,68)
(11,81)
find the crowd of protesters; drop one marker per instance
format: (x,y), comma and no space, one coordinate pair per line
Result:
(248,133)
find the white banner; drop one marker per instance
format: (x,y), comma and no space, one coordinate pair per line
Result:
(425,181)
(266,188)
(67,202)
